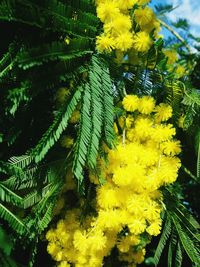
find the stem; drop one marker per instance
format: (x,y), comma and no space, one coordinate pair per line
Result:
(124,137)
(176,34)
(189,173)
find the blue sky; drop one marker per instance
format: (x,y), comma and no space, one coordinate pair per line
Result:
(188,9)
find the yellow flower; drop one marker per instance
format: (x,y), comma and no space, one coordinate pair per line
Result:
(124,244)
(107,11)
(180,71)
(143,16)
(143,128)
(137,226)
(75,116)
(107,197)
(154,228)
(163,132)
(64,264)
(80,241)
(130,102)
(142,41)
(129,121)
(126,4)
(66,141)
(146,104)
(109,219)
(62,94)
(105,43)
(163,112)
(124,41)
(59,256)
(53,248)
(171,55)
(171,148)
(181,121)
(67,40)
(97,240)
(120,24)
(139,256)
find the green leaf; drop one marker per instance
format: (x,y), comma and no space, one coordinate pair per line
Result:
(171,249)
(163,240)
(179,255)
(84,135)
(51,15)
(56,129)
(108,99)
(96,110)
(14,222)
(51,52)
(186,241)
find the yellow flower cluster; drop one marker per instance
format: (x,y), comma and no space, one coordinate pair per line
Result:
(119,33)
(128,203)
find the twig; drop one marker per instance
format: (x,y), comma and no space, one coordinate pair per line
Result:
(176,34)
(189,173)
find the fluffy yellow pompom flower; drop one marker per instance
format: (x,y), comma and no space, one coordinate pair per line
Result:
(75,116)
(126,4)
(163,132)
(143,16)
(80,241)
(107,197)
(146,105)
(66,141)
(137,226)
(120,24)
(124,41)
(154,228)
(171,148)
(130,102)
(163,112)
(107,11)
(143,128)
(142,41)
(105,43)
(53,248)
(97,240)
(180,71)
(139,256)
(171,55)
(62,94)
(64,264)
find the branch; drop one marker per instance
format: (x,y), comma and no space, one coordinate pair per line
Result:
(176,34)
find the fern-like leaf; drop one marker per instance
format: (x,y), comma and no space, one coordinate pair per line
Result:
(14,222)
(186,240)
(7,195)
(56,129)
(96,110)
(172,248)
(108,111)
(44,221)
(179,255)
(175,92)
(52,52)
(84,137)
(163,239)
